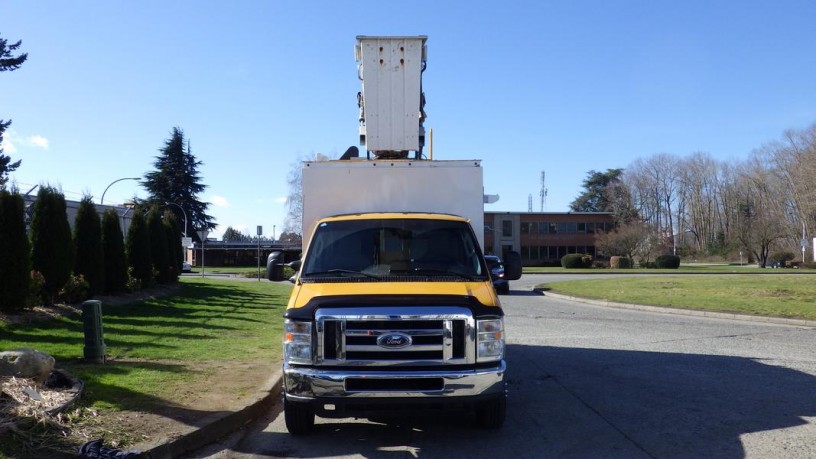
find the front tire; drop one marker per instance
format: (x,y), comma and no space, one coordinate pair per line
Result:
(299,417)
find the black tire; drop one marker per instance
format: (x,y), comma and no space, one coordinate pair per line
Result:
(505,290)
(299,417)
(490,414)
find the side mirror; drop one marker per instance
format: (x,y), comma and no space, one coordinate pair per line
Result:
(296,266)
(512,266)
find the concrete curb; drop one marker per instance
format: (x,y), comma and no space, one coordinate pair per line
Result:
(682,312)
(220,426)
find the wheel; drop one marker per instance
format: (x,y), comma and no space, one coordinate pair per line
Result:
(505,290)
(490,414)
(299,417)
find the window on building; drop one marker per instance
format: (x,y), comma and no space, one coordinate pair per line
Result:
(507,228)
(590,228)
(572,228)
(553,228)
(562,228)
(582,228)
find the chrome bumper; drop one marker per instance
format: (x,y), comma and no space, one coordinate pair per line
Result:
(306,384)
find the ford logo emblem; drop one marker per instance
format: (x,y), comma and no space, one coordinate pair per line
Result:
(394,340)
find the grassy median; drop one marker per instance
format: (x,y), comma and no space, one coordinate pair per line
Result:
(767,295)
(161,349)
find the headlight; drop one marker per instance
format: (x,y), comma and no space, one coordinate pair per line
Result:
(297,342)
(490,340)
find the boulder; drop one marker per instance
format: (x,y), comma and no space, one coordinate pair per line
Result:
(26,363)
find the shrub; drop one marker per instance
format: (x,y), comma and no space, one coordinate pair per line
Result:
(138,249)
(620,262)
(15,255)
(36,289)
(52,251)
(90,262)
(113,248)
(782,257)
(159,253)
(600,264)
(75,290)
(133,283)
(809,264)
(667,262)
(576,260)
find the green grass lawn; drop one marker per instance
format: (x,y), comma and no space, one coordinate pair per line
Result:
(157,346)
(696,268)
(769,295)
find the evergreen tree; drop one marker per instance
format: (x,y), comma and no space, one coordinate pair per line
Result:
(159,256)
(90,261)
(8,63)
(233,235)
(15,256)
(176,180)
(173,244)
(52,252)
(137,247)
(113,248)
(596,197)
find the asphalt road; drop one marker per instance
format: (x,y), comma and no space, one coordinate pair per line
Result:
(587,382)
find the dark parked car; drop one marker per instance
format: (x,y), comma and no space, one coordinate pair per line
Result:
(494,263)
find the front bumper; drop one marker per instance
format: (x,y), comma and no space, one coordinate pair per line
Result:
(306,384)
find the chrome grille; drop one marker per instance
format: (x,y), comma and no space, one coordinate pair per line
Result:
(357,336)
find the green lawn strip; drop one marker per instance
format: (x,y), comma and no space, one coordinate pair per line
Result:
(769,295)
(684,269)
(158,344)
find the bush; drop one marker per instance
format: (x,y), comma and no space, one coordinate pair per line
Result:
(113,248)
(75,290)
(15,256)
(138,250)
(159,252)
(782,257)
(667,262)
(90,261)
(600,264)
(809,264)
(52,251)
(620,262)
(576,260)
(36,289)
(133,283)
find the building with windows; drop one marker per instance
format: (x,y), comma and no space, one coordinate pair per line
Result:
(542,238)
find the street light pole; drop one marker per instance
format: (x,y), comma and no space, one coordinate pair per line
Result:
(102,201)
(183,212)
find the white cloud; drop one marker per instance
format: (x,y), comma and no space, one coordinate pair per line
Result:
(12,142)
(7,145)
(281,200)
(38,141)
(219,201)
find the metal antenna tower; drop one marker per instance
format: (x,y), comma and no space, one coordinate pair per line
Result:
(543,190)
(530,202)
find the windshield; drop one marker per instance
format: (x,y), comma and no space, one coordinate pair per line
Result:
(394,250)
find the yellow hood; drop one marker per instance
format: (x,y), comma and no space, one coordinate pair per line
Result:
(482,291)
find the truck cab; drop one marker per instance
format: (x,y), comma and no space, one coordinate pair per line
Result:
(393,313)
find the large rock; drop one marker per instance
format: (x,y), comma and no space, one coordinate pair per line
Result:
(26,363)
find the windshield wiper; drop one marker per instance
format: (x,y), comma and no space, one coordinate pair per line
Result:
(442,272)
(342,273)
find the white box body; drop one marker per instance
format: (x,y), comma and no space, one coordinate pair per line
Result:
(361,186)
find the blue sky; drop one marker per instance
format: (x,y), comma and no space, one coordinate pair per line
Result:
(563,87)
